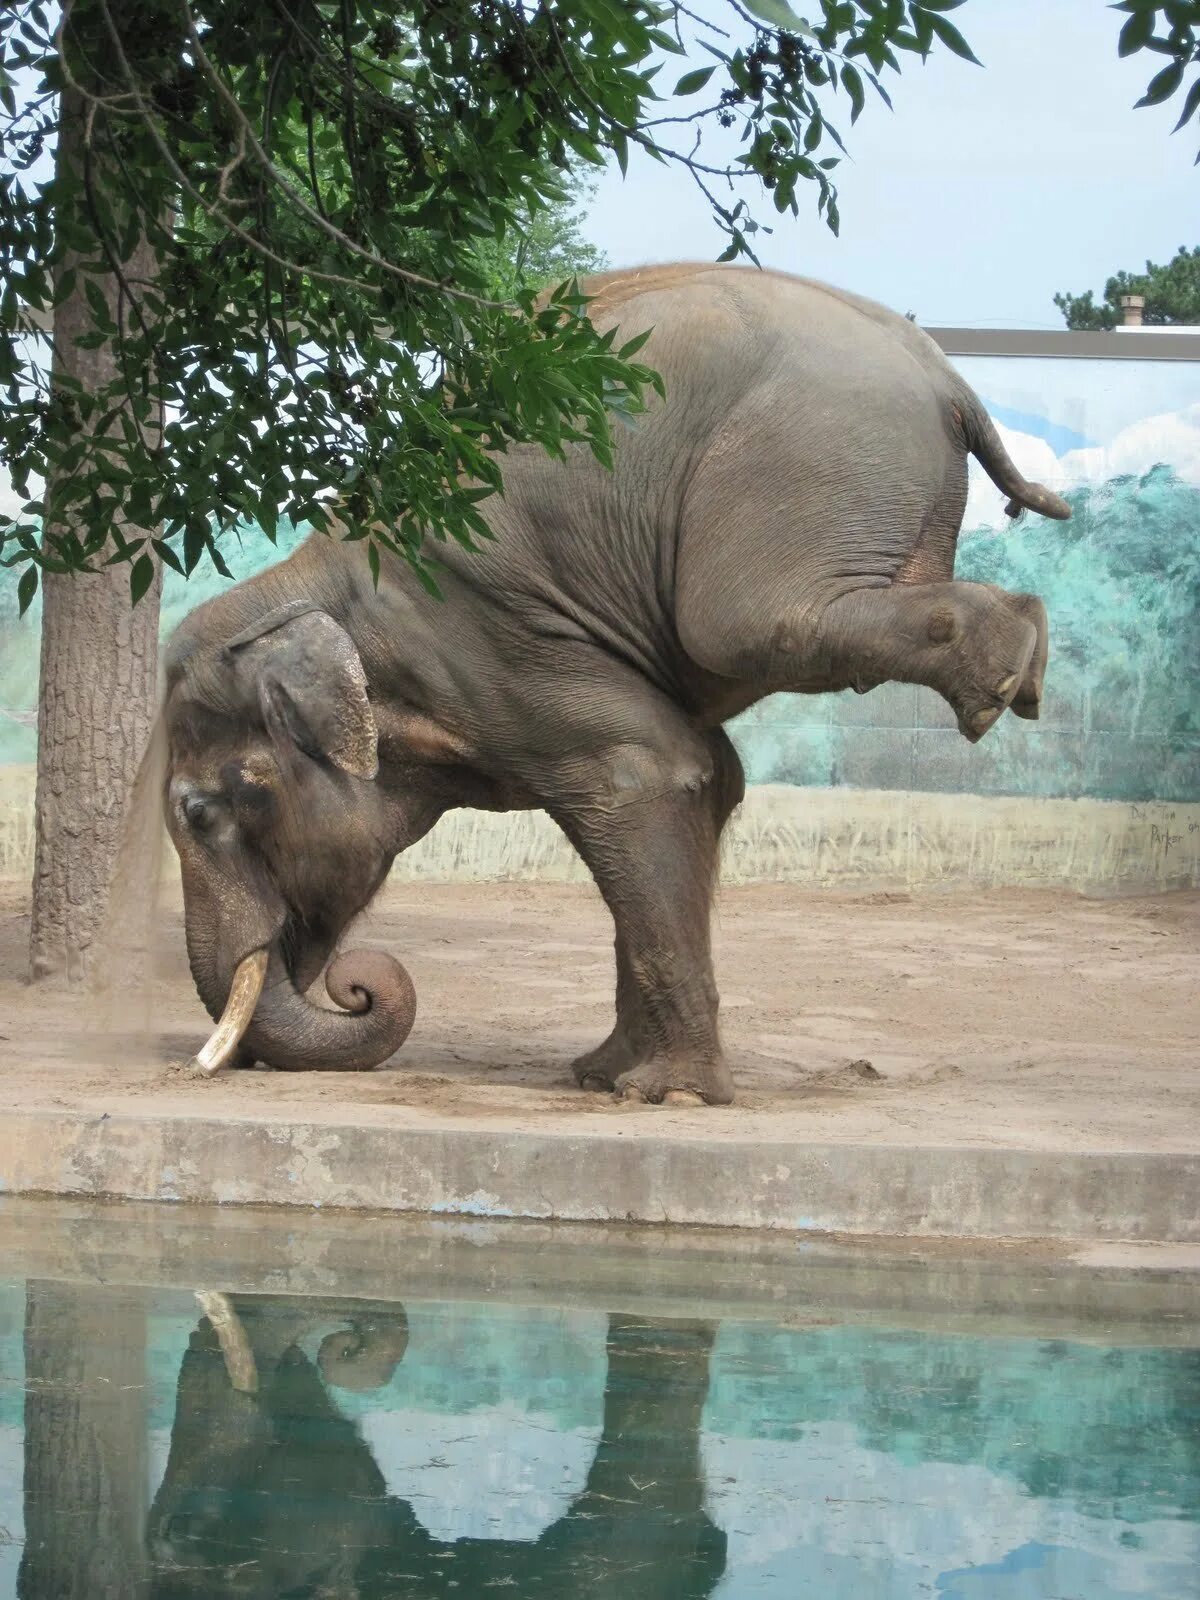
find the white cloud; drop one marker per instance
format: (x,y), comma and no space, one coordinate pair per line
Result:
(1172,438)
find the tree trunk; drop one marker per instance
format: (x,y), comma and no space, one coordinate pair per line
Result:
(85,1443)
(99,674)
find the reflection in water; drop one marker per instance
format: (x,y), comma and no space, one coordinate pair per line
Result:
(355,1451)
(85,1443)
(276,1493)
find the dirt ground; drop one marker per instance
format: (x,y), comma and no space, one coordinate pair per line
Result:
(1039,1019)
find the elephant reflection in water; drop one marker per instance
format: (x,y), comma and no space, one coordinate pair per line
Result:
(270,1491)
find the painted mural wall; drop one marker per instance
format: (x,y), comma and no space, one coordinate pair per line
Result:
(1121,715)
(1121,581)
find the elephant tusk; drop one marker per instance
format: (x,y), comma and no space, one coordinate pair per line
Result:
(231,1336)
(244,994)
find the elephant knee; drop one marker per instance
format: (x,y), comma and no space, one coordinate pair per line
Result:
(633,774)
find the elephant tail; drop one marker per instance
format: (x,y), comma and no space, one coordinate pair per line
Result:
(981,439)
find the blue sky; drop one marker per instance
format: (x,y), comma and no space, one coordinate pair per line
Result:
(984,193)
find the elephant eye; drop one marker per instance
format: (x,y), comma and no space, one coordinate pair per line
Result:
(199,812)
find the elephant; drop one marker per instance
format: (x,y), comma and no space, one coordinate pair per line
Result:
(275,1492)
(784,521)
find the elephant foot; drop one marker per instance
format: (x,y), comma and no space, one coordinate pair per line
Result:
(1027,702)
(598,1070)
(677,1082)
(973,723)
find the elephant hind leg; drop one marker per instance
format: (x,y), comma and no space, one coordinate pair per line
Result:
(629,1045)
(966,640)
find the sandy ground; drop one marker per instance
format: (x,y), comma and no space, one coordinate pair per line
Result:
(1037,1019)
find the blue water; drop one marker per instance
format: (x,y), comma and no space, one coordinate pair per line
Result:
(469,1448)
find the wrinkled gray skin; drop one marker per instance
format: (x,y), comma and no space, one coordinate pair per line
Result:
(786,521)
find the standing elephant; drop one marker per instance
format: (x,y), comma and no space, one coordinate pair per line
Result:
(785,521)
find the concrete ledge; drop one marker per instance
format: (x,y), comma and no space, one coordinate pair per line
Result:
(1123,1293)
(646,1168)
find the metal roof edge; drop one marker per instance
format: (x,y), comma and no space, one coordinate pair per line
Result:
(1125,344)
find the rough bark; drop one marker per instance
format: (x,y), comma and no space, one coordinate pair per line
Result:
(99,673)
(85,1443)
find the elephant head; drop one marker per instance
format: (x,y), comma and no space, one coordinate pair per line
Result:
(283,834)
(269,1490)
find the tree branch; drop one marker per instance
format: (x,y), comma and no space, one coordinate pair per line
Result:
(277,177)
(207,206)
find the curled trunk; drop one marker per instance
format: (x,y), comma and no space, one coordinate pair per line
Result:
(289,1032)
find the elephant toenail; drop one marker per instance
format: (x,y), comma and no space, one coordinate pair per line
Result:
(1008,685)
(632,1095)
(982,720)
(682,1097)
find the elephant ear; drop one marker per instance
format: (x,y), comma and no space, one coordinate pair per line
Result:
(311,686)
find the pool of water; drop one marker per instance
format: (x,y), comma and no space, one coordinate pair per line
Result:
(368,1409)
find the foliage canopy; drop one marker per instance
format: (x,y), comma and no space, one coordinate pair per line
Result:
(1171,292)
(324,185)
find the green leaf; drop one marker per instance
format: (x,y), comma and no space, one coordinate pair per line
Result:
(1137,32)
(218,561)
(167,555)
(1190,106)
(373,563)
(195,541)
(99,305)
(692,81)
(780,15)
(65,287)
(631,347)
(141,576)
(1162,85)
(26,589)
(853,85)
(952,39)
(923,29)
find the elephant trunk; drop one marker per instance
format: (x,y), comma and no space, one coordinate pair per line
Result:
(285,1029)
(289,1032)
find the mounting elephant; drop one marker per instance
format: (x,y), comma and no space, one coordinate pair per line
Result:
(270,1490)
(785,521)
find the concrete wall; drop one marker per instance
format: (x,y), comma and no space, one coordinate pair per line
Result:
(1103,792)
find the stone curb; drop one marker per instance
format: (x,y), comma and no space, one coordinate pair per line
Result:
(635,1174)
